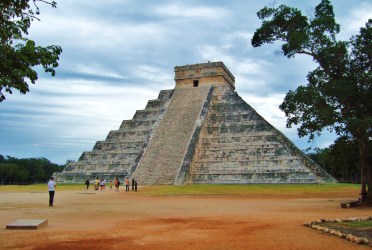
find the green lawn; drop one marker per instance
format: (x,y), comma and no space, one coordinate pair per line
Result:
(252,189)
(359,228)
(209,189)
(39,187)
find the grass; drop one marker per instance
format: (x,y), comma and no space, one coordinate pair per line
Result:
(253,189)
(39,187)
(356,224)
(211,189)
(359,228)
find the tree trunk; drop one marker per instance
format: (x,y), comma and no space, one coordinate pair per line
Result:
(369,172)
(365,173)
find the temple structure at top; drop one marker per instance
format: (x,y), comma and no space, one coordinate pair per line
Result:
(201,131)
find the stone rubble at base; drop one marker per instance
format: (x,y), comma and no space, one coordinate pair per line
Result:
(349,237)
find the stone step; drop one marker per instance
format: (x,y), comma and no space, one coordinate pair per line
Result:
(165,155)
(119,135)
(118,146)
(122,149)
(139,125)
(233,171)
(239,145)
(147,115)
(251,162)
(119,156)
(261,178)
(166,94)
(231,118)
(154,105)
(126,149)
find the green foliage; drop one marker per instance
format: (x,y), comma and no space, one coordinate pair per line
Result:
(356,224)
(338,94)
(341,160)
(30,170)
(18,54)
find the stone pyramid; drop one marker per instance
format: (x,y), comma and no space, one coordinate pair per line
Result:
(201,131)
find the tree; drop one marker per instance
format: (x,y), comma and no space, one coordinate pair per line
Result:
(6,171)
(27,170)
(18,54)
(341,160)
(338,93)
(345,158)
(2,158)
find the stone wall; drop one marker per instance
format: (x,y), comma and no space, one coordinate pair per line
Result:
(237,145)
(214,73)
(119,154)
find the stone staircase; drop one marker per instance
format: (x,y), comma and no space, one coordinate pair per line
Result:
(119,154)
(162,161)
(237,145)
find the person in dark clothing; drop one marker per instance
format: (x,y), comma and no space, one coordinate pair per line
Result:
(135,186)
(87,182)
(132,184)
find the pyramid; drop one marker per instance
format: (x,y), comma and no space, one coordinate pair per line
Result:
(201,131)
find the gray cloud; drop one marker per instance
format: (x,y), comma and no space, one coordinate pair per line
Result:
(119,54)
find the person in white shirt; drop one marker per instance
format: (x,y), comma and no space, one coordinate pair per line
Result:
(51,188)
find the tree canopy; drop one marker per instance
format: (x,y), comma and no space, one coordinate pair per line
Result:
(18,54)
(26,170)
(341,160)
(338,94)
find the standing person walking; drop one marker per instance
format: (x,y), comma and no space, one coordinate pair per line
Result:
(127,184)
(51,187)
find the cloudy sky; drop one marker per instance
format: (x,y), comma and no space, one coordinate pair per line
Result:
(119,54)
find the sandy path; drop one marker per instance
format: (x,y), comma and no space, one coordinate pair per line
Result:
(120,220)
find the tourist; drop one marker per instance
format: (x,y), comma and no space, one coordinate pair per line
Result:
(101,184)
(127,184)
(135,186)
(116,184)
(87,182)
(96,184)
(110,185)
(51,187)
(132,183)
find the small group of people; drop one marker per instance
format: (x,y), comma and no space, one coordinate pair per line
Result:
(101,184)
(127,183)
(134,184)
(98,185)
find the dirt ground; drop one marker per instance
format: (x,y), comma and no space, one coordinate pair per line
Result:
(120,220)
